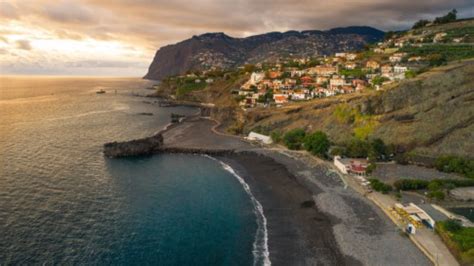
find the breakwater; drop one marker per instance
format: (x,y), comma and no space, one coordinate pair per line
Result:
(135,147)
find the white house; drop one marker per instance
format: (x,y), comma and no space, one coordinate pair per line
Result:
(400,69)
(259,137)
(351,56)
(343,166)
(298,96)
(256,78)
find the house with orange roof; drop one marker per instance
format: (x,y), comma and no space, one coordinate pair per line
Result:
(372,64)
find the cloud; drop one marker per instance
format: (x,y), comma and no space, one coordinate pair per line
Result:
(69,12)
(8,11)
(147,25)
(104,64)
(23,45)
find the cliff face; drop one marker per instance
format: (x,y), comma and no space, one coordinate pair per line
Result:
(432,114)
(217,50)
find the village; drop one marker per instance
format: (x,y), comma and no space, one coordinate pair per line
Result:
(342,73)
(293,80)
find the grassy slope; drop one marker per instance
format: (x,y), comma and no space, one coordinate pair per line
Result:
(219,92)
(432,114)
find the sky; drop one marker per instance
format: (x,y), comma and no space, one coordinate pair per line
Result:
(120,37)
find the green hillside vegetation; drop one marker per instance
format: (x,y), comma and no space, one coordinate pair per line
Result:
(441,53)
(430,115)
(185,86)
(459,239)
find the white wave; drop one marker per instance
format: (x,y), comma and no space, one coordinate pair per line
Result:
(260,244)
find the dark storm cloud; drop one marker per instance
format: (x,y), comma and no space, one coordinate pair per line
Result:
(159,22)
(146,25)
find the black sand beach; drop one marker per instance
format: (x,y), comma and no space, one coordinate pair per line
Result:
(341,228)
(298,235)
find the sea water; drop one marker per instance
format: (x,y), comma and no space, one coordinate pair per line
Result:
(62,202)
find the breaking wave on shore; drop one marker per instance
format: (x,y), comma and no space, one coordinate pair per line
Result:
(260,246)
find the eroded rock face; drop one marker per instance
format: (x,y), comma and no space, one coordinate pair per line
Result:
(219,50)
(136,147)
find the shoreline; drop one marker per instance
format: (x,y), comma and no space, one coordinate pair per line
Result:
(260,250)
(341,228)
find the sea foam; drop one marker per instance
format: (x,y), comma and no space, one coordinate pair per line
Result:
(260,245)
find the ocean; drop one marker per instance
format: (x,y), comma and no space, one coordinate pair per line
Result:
(62,202)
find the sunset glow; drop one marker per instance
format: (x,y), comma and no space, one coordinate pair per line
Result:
(94,37)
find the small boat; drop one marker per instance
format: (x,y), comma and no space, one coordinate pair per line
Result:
(101,91)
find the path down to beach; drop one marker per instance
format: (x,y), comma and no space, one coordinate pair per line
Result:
(341,228)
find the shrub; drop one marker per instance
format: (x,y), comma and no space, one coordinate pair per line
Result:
(452,225)
(378,148)
(410,74)
(276,136)
(438,195)
(454,164)
(398,195)
(410,184)
(459,239)
(420,23)
(456,182)
(434,186)
(293,139)
(317,143)
(338,150)
(379,186)
(370,168)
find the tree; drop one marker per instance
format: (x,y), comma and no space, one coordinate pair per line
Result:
(317,143)
(420,23)
(450,17)
(378,80)
(378,149)
(293,139)
(358,148)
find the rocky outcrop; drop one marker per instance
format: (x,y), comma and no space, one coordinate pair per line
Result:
(136,147)
(462,194)
(217,50)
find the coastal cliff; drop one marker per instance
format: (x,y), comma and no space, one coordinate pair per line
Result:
(218,50)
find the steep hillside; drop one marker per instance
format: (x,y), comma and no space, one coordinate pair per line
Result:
(431,114)
(217,50)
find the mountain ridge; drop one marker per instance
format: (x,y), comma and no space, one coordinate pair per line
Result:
(219,50)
